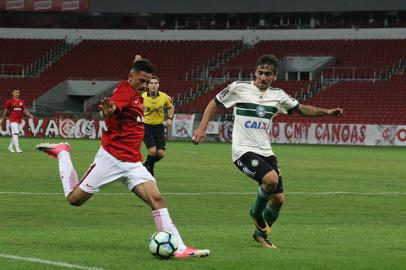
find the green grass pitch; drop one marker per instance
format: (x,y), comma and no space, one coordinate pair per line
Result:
(345,209)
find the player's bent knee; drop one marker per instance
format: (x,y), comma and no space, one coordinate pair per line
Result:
(278,200)
(270,179)
(78,197)
(152,151)
(161,154)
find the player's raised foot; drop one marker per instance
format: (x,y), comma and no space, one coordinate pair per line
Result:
(263,239)
(191,252)
(260,223)
(53,149)
(10,149)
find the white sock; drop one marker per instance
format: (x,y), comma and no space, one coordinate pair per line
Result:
(15,141)
(163,222)
(67,173)
(11,143)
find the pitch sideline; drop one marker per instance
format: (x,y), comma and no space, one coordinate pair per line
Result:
(54,263)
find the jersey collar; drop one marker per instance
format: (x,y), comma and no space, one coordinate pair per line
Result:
(148,95)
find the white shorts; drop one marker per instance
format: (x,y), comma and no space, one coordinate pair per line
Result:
(106,169)
(14,128)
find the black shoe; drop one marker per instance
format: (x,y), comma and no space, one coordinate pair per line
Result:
(263,239)
(261,224)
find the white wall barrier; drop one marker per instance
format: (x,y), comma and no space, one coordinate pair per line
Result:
(182,125)
(51,127)
(327,133)
(290,133)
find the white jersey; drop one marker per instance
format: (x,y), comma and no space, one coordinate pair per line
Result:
(253,113)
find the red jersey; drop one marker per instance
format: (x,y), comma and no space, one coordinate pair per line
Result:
(125,127)
(16,108)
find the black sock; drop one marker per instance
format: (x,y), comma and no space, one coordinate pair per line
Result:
(149,164)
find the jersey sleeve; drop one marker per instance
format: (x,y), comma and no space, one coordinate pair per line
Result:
(287,103)
(168,102)
(228,96)
(8,105)
(119,97)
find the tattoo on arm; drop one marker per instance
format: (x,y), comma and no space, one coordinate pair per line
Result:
(308,110)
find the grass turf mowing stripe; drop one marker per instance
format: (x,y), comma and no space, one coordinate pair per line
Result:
(217,193)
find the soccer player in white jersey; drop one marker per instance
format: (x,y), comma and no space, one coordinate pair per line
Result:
(119,155)
(255,104)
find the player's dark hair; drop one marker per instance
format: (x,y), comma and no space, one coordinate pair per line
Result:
(143,65)
(268,59)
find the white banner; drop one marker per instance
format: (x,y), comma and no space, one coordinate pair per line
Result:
(51,127)
(349,134)
(327,133)
(182,125)
(226,131)
(213,127)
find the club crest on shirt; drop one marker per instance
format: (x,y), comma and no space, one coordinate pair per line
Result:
(140,119)
(260,111)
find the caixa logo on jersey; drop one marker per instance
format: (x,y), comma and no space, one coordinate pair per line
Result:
(266,125)
(260,111)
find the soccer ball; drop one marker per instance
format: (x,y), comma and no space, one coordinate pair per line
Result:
(163,245)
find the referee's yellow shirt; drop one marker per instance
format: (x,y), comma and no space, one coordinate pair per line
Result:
(154,108)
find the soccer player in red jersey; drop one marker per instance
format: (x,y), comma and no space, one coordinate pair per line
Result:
(119,156)
(16,107)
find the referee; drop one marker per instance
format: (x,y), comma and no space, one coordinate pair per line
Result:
(155,104)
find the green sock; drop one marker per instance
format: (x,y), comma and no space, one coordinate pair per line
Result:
(260,202)
(270,215)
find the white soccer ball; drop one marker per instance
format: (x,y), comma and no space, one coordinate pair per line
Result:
(163,245)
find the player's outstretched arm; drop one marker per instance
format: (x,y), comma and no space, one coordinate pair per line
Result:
(200,133)
(106,108)
(308,110)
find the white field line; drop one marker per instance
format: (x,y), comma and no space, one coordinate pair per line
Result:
(217,193)
(41,261)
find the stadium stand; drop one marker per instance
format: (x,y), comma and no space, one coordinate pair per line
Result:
(111,59)
(101,59)
(349,54)
(381,102)
(16,55)
(360,98)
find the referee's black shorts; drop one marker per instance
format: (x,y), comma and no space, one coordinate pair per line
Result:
(154,136)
